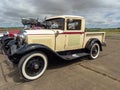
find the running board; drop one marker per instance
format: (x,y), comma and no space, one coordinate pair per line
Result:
(74,56)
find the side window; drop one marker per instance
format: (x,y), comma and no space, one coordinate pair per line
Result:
(73,24)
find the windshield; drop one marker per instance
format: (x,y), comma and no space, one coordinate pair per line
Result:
(57,23)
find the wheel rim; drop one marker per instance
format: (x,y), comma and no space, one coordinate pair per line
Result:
(34,66)
(95,51)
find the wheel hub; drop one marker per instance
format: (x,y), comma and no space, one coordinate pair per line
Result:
(36,66)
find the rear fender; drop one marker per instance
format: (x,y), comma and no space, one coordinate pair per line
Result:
(91,42)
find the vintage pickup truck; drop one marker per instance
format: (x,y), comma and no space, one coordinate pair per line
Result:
(63,37)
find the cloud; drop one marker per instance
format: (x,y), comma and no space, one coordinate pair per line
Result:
(97,13)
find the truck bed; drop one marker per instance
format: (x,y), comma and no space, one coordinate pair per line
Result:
(99,35)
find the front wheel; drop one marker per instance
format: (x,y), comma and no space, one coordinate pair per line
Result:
(94,51)
(32,66)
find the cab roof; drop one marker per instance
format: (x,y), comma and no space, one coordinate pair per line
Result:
(66,16)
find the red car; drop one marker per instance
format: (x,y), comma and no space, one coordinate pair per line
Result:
(11,33)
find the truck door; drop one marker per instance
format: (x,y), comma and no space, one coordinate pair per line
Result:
(74,35)
(60,41)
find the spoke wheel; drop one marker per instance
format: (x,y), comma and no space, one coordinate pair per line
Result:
(32,66)
(94,51)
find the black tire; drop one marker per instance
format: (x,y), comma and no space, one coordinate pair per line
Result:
(94,51)
(32,66)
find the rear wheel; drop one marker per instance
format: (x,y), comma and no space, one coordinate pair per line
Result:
(94,51)
(32,66)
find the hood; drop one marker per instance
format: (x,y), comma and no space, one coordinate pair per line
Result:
(43,31)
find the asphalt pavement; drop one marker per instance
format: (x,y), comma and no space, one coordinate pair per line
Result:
(81,74)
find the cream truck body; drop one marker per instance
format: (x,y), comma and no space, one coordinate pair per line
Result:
(61,40)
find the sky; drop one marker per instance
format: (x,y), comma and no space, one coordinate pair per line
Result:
(98,13)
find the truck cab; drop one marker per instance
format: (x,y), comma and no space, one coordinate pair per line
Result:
(63,33)
(63,37)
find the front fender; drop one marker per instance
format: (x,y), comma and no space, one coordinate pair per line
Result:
(5,39)
(32,48)
(5,43)
(10,43)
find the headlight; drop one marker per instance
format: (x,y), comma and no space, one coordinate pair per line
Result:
(6,33)
(22,36)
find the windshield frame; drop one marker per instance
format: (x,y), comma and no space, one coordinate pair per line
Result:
(62,22)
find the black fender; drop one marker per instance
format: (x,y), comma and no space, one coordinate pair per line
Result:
(6,45)
(91,42)
(5,40)
(25,49)
(11,42)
